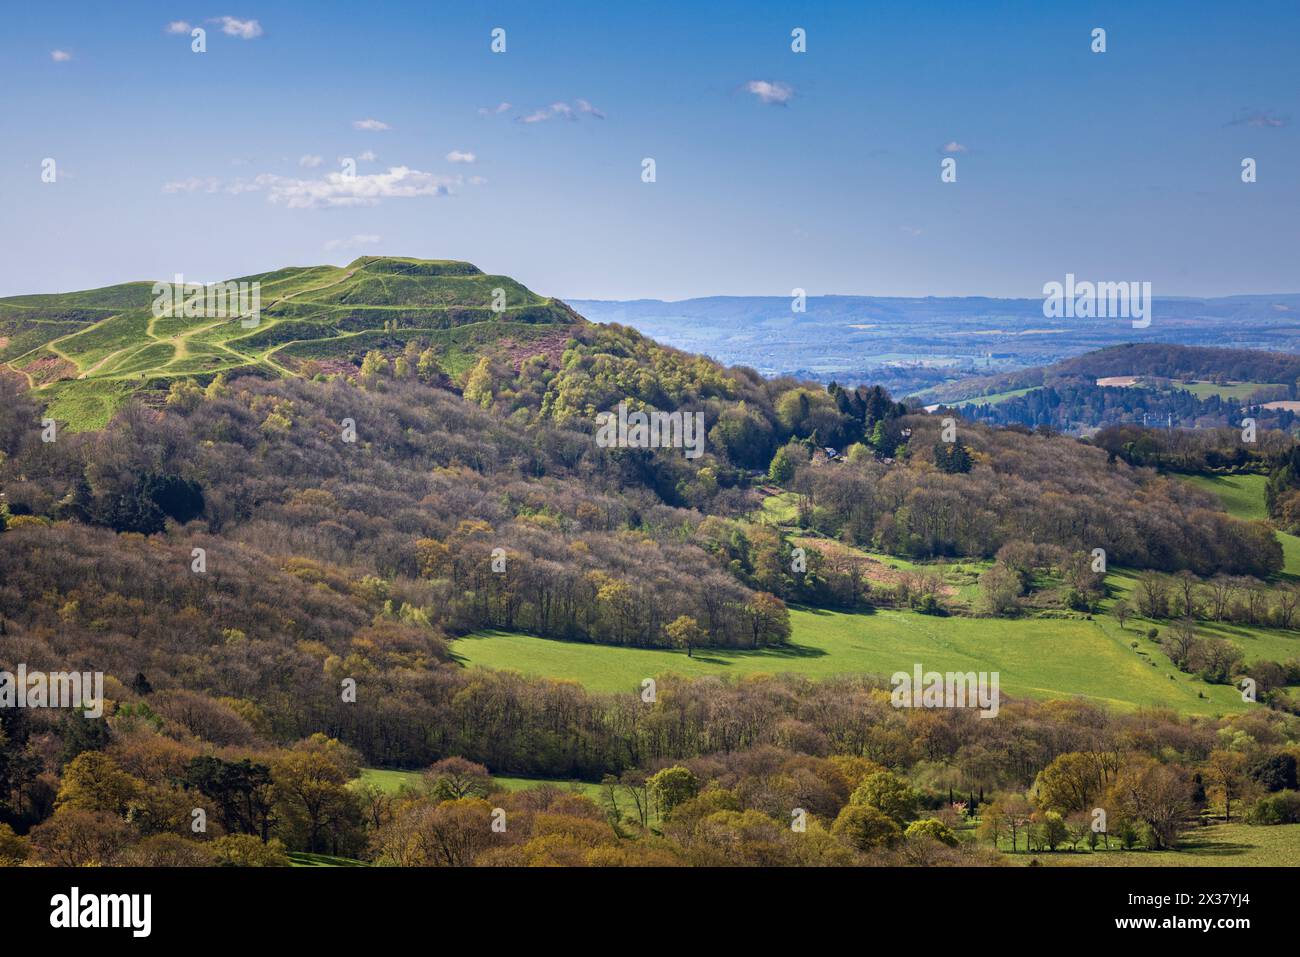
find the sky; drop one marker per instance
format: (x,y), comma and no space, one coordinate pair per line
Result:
(774,169)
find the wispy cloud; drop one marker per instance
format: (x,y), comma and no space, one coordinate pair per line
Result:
(195,184)
(1264,119)
(352,242)
(461,156)
(60,56)
(773,94)
(368,156)
(370,124)
(952,146)
(329,191)
(561,110)
(501,107)
(551,112)
(310,161)
(178,26)
(244,29)
(335,189)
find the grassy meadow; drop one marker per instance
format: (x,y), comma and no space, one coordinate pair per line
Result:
(1215,845)
(1036,658)
(393,781)
(1232,390)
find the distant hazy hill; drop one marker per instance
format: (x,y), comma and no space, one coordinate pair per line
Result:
(910,344)
(86,351)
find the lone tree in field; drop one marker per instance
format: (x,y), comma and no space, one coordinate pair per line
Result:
(684,632)
(454,778)
(1122,612)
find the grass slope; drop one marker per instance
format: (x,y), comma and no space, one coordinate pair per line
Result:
(1216,845)
(1243,497)
(1037,658)
(86,352)
(392,782)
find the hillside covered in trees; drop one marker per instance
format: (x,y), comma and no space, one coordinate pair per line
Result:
(1143,384)
(234,548)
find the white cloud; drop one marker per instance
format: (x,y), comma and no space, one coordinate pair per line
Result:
(244,29)
(178,26)
(195,184)
(370,124)
(460,156)
(335,189)
(952,146)
(368,156)
(310,161)
(352,242)
(562,111)
(548,113)
(493,110)
(60,56)
(332,190)
(476,181)
(774,94)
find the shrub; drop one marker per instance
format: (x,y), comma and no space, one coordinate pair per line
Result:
(1280,808)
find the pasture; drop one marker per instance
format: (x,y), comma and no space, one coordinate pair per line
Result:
(1035,657)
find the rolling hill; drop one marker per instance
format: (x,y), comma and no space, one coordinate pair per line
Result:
(85,352)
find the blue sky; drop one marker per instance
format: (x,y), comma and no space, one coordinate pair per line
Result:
(774,169)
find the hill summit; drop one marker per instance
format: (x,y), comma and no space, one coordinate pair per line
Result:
(85,352)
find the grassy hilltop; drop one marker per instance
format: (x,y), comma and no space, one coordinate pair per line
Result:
(85,352)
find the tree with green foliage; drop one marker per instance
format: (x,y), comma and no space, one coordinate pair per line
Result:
(427,367)
(245,850)
(865,827)
(373,366)
(952,457)
(931,829)
(672,786)
(684,632)
(887,793)
(478,386)
(241,790)
(1050,830)
(781,469)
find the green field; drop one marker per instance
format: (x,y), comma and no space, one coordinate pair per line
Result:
(1234,390)
(303,859)
(1217,845)
(1256,643)
(1037,658)
(991,399)
(392,782)
(779,509)
(1242,495)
